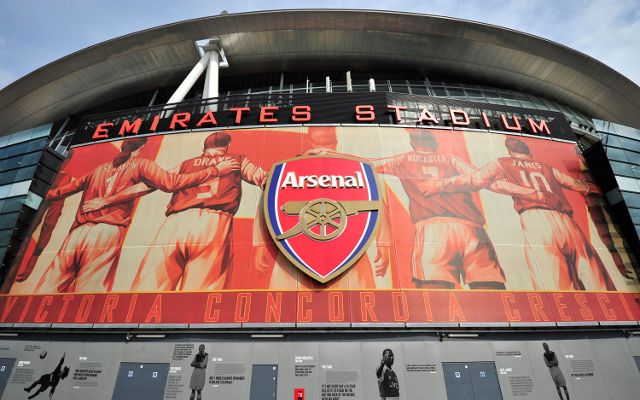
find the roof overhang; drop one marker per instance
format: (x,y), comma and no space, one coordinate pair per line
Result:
(299,40)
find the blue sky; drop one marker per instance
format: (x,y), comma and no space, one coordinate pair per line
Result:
(35,33)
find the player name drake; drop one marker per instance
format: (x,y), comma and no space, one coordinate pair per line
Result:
(324,181)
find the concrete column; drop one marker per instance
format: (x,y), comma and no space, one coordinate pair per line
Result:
(328,84)
(211,79)
(372,85)
(349,87)
(191,79)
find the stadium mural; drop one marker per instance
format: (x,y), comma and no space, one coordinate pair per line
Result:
(461,226)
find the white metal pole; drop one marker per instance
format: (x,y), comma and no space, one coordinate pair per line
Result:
(349,87)
(328,84)
(190,80)
(211,79)
(372,85)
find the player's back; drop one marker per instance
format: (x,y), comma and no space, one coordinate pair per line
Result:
(536,175)
(221,193)
(414,168)
(105,181)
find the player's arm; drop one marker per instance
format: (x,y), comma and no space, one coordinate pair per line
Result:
(389,168)
(252,173)
(154,176)
(260,251)
(379,369)
(204,362)
(582,187)
(469,182)
(69,189)
(129,194)
(194,363)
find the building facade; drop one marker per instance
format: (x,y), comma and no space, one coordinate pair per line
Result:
(323,204)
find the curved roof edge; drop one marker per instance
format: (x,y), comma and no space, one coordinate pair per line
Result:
(299,40)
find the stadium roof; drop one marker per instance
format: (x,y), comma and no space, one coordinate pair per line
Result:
(321,40)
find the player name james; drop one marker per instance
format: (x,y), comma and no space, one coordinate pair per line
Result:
(325,181)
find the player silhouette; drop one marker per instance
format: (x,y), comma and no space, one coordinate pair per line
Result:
(49,380)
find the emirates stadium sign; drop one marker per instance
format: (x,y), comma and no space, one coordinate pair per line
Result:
(323,211)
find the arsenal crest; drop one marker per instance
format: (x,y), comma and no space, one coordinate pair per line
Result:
(323,211)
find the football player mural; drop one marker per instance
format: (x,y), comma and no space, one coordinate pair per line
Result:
(439,210)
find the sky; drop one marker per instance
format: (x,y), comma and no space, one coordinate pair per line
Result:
(35,33)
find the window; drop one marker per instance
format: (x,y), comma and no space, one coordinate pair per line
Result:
(33,200)
(12,204)
(5,237)
(19,188)
(635,215)
(438,91)
(627,184)
(610,140)
(629,144)
(25,173)
(457,93)
(8,177)
(30,159)
(621,168)
(509,99)
(615,154)
(475,95)
(4,191)
(631,199)
(523,99)
(8,220)
(633,157)
(36,145)
(492,96)
(15,150)
(627,131)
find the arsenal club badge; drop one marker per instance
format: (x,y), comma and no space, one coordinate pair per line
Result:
(323,211)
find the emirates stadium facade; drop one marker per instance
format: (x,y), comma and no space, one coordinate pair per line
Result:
(355,186)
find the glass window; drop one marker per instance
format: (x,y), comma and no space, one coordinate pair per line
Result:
(4,191)
(551,105)
(13,204)
(637,230)
(457,93)
(8,177)
(4,141)
(615,154)
(41,131)
(419,88)
(35,145)
(5,237)
(33,200)
(21,136)
(399,88)
(15,150)
(627,131)
(627,184)
(475,95)
(537,102)
(610,140)
(633,157)
(631,199)
(8,220)
(621,168)
(25,173)
(523,99)
(635,215)
(492,96)
(629,144)
(636,170)
(509,99)
(20,188)
(438,91)
(604,126)
(11,163)
(30,159)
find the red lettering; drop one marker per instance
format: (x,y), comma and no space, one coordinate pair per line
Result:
(273,307)
(243,307)
(516,124)
(154,124)
(367,302)
(304,315)
(212,298)
(536,306)
(425,116)
(585,310)
(181,119)
(301,114)
(102,131)
(404,315)
(239,112)
(508,298)
(85,307)
(603,299)
(8,306)
(336,307)
(561,306)
(26,307)
(427,306)
(365,113)
(132,306)
(454,309)
(397,111)
(454,120)
(66,299)
(109,304)
(128,128)
(535,128)
(266,114)
(626,306)
(485,120)
(40,315)
(207,119)
(155,312)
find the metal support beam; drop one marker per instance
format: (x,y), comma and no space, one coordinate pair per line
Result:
(155,96)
